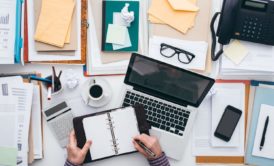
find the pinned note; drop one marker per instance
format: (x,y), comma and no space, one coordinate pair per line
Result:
(236,52)
(116,34)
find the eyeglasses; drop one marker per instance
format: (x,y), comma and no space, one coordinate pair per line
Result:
(169,51)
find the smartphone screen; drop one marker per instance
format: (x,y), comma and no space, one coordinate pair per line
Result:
(228,123)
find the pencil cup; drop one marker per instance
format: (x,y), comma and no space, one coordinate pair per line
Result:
(56,88)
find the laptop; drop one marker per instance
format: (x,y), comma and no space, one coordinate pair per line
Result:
(170,96)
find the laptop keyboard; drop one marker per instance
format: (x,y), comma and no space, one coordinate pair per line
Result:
(159,114)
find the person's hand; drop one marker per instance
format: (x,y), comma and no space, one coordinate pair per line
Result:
(76,155)
(151,142)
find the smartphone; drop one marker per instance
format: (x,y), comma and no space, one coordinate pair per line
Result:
(228,123)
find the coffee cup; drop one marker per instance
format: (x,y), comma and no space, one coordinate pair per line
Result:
(96,92)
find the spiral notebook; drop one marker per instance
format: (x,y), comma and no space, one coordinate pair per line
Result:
(111,131)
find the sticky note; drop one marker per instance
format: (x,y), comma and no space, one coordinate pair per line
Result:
(184,5)
(116,34)
(54,21)
(236,52)
(127,43)
(8,156)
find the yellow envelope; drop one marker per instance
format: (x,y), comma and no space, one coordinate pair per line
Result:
(54,21)
(185,5)
(161,11)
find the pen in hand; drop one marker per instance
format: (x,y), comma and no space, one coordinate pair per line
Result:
(264,133)
(146,149)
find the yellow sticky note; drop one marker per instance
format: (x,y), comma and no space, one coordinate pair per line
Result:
(54,21)
(184,5)
(236,52)
(178,19)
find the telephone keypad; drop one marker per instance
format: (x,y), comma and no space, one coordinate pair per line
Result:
(253,28)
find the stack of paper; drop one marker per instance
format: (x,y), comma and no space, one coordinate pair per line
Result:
(39,52)
(54,23)
(251,59)
(179,14)
(21,109)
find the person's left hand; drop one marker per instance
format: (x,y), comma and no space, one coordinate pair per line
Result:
(76,155)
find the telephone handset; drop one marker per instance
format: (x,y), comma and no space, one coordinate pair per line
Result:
(249,20)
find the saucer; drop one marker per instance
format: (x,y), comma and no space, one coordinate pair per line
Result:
(106,88)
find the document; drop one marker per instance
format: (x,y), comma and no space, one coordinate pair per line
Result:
(23,93)
(8,130)
(7,31)
(198,48)
(267,150)
(36,119)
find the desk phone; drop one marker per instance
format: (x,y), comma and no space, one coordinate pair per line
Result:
(248,20)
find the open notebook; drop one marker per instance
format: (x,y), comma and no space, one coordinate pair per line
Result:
(111,131)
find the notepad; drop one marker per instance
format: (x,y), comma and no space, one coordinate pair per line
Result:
(267,150)
(111,133)
(54,21)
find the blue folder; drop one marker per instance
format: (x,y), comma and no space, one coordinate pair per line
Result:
(262,96)
(18,37)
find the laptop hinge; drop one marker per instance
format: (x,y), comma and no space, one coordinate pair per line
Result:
(161,96)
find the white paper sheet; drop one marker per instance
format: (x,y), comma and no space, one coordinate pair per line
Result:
(8,121)
(198,48)
(36,123)
(7,31)
(267,150)
(227,94)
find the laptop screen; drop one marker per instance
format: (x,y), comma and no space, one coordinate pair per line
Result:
(166,81)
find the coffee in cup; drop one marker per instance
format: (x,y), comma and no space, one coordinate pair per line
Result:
(96,92)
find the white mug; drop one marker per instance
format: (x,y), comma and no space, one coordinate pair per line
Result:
(95,92)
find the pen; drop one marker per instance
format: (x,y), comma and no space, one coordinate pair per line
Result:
(146,149)
(53,78)
(264,132)
(41,79)
(49,93)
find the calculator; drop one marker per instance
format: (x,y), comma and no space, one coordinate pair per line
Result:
(59,118)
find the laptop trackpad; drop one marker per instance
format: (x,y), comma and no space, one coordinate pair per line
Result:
(155,133)
(171,145)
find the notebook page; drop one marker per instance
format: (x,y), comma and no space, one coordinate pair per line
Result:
(97,129)
(125,128)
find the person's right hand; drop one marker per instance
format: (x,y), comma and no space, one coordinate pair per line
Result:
(151,142)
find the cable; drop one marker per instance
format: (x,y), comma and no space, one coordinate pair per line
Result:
(213,35)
